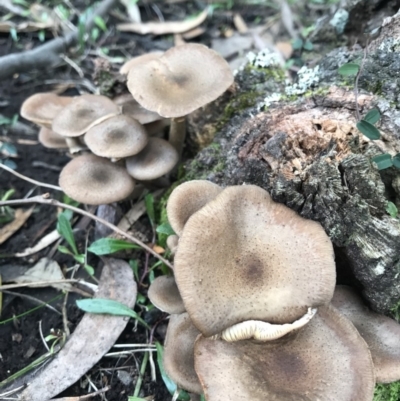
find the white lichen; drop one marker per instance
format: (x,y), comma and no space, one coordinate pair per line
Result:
(275,97)
(307,78)
(339,20)
(264,59)
(390,45)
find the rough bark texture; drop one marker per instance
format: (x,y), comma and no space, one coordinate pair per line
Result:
(306,151)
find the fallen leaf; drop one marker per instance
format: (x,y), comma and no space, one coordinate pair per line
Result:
(93,337)
(285,48)
(239,23)
(133,10)
(163,28)
(194,33)
(159,249)
(20,217)
(7,26)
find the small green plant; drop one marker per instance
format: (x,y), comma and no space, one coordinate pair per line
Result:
(392,210)
(6,212)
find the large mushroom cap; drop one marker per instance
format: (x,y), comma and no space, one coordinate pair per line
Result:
(156,159)
(185,78)
(50,139)
(326,360)
(244,257)
(117,137)
(187,199)
(42,108)
(179,353)
(82,113)
(381,333)
(93,180)
(164,295)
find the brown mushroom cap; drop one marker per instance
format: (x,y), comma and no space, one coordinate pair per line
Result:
(144,58)
(182,80)
(42,108)
(133,109)
(117,137)
(156,159)
(82,113)
(381,333)
(187,199)
(244,257)
(93,180)
(50,139)
(164,295)
(179,353)
(325,360)
(172,243)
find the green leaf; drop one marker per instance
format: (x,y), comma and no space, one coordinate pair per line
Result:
(308,45)
(134,264)
(297,44)
(136,399)
(80,258)
(391,208)
(63,249)
(383,161)
(9,149)
(349,69)
(89,269)
(171,386)
(108,307)
(105,246)
(149,202)
(396,160)
(368,130)
(100,23)
(65,230)
(165,228)
(372,116)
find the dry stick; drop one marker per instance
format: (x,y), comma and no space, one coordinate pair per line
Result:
(45,200)
(48,55)
(32,181)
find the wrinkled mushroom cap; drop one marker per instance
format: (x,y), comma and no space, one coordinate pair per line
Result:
(182,80)
(42,108)
(133,109)
(244,257)
(82,113)
(50,139)
(186,199)
(117,137)
(164,295)
(144,58)
(325,360)
(93,180)
(179,353)
(158,158)
(381,333)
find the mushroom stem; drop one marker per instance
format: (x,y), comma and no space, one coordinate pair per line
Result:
(177,133)
(74,145)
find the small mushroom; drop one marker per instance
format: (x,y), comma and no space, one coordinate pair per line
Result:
(244,257)
(172,243)
(381,333)
(117,137)
(179,353)
(83,113)
(42,108)
(186,199)
(325,360)
(182,80)
(164,295)
(50,139)
(94,180)
(156,159)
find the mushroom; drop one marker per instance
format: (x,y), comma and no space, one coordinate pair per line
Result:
(325,360)
(180,81)
(42,108)
(381,333)
(94,180)
(187,199)
(50,139)
(117,137)
(155,160)
(172,243)
(139,60)
(179,353)
(164,295)
(244,257)
(83,113)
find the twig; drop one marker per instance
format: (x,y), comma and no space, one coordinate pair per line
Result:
(356,82)
(45,200)
(48,55)
(36,283)
(32,181)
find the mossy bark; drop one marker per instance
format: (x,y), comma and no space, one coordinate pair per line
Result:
(306,151)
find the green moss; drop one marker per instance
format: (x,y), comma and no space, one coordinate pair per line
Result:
(387,392)
(275,73)
(236,105)
(395,312)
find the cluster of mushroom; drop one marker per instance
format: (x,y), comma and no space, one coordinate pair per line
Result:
(254,310)
(114,138)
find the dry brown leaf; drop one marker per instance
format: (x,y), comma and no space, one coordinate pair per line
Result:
(239,23)
(159,249)
(163,28)
(21,216)
(285,48)
(29,26)
(194,33)
(93,337)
